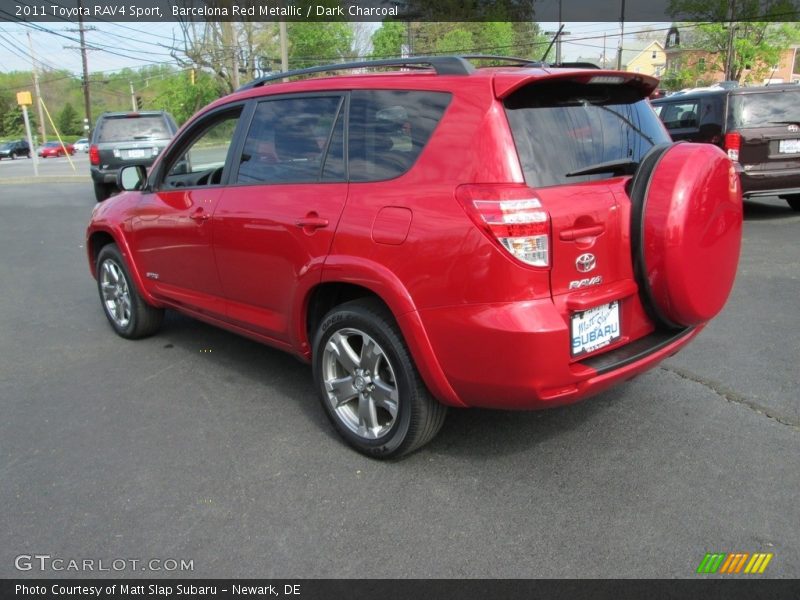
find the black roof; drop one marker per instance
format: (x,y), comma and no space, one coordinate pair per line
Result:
(705,92)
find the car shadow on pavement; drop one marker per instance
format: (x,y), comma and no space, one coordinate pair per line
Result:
(493,433)
(466,432)
(756,210)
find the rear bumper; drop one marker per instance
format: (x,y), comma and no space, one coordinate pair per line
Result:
(104,175)
(769,183)
(516,355)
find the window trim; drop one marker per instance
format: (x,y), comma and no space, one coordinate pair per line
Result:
(179,145)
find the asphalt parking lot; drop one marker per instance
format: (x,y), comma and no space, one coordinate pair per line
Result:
(200,445)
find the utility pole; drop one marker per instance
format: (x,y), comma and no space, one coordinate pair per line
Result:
(87,105)
(603,63)
(133,98)
(731,35)
(557,40)
(621,36)
(36,88)
(284,47)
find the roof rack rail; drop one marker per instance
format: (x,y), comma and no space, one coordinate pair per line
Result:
(443,65)
(522,62)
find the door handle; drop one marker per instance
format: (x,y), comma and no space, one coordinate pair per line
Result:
(569,235)
(199,216)
(312,222)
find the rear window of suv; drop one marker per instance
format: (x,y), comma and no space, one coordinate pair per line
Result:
(561,127)
(125,129)
(764,109)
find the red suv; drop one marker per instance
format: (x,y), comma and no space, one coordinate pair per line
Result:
(513,236)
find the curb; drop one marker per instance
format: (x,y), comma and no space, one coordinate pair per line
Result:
(46,179)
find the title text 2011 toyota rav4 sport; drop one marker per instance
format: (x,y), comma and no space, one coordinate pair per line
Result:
(514,237)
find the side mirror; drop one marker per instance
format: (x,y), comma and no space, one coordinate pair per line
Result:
(131,177)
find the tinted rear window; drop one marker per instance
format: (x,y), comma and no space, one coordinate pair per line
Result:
(561,127)
(764,109)
(389,129)
(125,129)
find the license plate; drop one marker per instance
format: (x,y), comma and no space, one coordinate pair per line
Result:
(789,147)
(136,153)
(594,328)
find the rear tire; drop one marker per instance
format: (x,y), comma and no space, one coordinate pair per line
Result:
(368,384)
(127,312)
(101,191)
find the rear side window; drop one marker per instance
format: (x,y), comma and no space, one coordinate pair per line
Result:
(125,129)
(389,129)
(680,115)
(563,127)
(289,140)
(764,109)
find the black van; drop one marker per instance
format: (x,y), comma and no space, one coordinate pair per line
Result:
(758,127)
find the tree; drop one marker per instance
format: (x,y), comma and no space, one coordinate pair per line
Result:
(745,37)
(388,40)
(67,121)
(182,98)
(229,50)
(523,39)
(13,124)
(313,44)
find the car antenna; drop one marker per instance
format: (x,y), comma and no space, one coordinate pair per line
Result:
(553,41)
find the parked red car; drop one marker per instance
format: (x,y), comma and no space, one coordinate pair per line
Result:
(511,237)
(49,149)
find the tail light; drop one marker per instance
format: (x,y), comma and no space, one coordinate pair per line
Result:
(94,155)
(513,216)
(733,141)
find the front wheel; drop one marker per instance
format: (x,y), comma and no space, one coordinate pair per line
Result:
(126,310)
(368,384)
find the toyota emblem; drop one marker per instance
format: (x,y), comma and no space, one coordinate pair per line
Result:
(585,263)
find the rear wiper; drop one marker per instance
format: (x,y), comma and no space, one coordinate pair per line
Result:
(628,122)
(623,166)
(784,122)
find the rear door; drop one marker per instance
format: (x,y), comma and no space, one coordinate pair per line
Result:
(275,224)
(768,122)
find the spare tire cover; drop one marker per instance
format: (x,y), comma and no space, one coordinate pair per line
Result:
(686,232)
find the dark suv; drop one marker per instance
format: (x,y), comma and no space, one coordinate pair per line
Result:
(515,237)
(121,139)
(758,127)
(14,149)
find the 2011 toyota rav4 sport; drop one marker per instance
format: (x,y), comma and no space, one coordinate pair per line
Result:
(513,237)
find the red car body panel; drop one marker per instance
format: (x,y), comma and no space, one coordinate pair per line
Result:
(56,151)
(483,328)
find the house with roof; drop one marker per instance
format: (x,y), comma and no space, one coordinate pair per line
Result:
(643,56)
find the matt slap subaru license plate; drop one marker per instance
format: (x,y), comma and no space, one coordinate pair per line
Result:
(594,328)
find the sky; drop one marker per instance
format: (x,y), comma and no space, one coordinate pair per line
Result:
(121,45)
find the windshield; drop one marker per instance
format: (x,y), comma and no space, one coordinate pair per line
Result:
(563,128)
(133,128)
(765,109)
